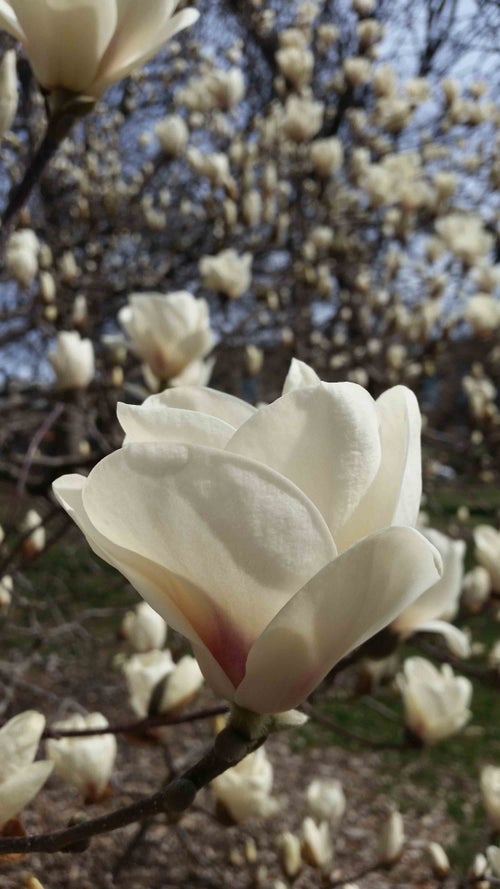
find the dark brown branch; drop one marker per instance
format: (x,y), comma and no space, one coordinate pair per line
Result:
(139,725)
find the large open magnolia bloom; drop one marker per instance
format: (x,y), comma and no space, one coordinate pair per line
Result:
(86,45)
(276,540)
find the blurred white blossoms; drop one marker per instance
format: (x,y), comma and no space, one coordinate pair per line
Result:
(20,777)
(171,333)
(487,541)
(245,789)
(433,610)
(490,790)
(292,508)
(326,801)
(143,628)
(8,91)
(465,236)
(476,588)
(436,701)
(72,360)
(6,589)
(229,273)
(83,46)
(85,762)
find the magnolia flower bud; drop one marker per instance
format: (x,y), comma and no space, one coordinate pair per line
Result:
(476,589)
(85,762)
(391,839)
(21,255)
(8,91)
(72,361)
(20,777)
(317,846)
(327,155)
(490,790)
(173,134)
(289,853)
(487,552)
(439,860)
(6,588)
(227,273)
(83,49)
(245,789)
(303,118)
(254,359)
(326,801)
(35,542)
(436,702)
(47,287)
(493,856)
(143,628)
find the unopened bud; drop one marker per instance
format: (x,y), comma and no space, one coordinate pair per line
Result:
(439,860)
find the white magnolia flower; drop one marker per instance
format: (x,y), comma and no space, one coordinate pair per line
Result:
(144,628)
(171,333)
(21,256)
(490,790)
(487,541)
(303,118)
(439,860)
(72,360)
(326,801)
(85,762)
(245,789)
(229,273)
(143,672)
(85,45)
(433,610)
(317,845)
(301,512)
(436,701)
(327,155)
(391,840)
(476,588)
(8,91)
(20,777)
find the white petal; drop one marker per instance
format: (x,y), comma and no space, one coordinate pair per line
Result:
(347,602)
(66,41)
(19,739)
(299,376)
(394,496)
(207,401)
(457,641)
(18,790)
(9,22)
(323,438)
(150,422)
(143,31)
(224,540)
